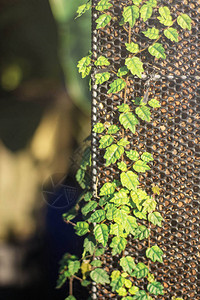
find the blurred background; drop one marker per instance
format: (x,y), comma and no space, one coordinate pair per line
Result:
(44,117)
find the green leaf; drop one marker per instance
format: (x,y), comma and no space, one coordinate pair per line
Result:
(122,71)
(117,282)
(132,155)
(140,166)
(132,47)
(113,153)
(127,283)
(117,229)
(135,65)
(105,141)
(130,224)
(130,14)
(133,290)
(116,86)
(96,263)
(86,158)
(98,216)
(82,9)
(87,196)
(101,233)
(83,66)
(85,282)
(152,33)
(140,214)
(70,298)
(120,216)
(141,270)
(164,11)
(184,21)
(146,156)
(129,121)
(120,198)
(102,77)
(155,218)
(118,244)
(127,263)
(152,3)
(144,113)
(154,103)
(150,277)
(81,228)
(111,213)
(155,254)
(157,50)
(103,5)
(100,276)
(141,295)
(115,274)
(98,128)
(149,205)
(165,16)
(89,244)
(90,206)
(102,61)
(122,291)
(138,196)
(123,142)
(99,251)
(146,12)
(123,108)
(171,34)
(155,288)
(113,129)
(122,166)
(103,20)
(107,189)
(141,233)
(73,267)
(80,175)
(137,2)
(70,215)
(129,180)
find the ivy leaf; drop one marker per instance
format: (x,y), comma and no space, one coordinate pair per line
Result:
(120,216)
(98,216)
(113,129)
(152,3)
(96,263)
(103,20)
(102,61)
(164,11)
(73,267)
(132,47)
(155,254)
(121,291)
(130,14)
(133,290)
(129,180)
(122,71)
(118,244)
(157,50)
(144,113)
(123,108)
(117,283)
(135,65)
(140,166)
(70,215)
(98,128)
(129,121)
(107,189)
(100,276)
(155,288)
(122,166)
(141,270)
(141,233)
(146,156)
(83,66)
(184,21)
(127,283)
(141,295)
(127,263)
(140,214)
(82,9)
(149,205)
(85,282)
(116,86)
(156,190)
(150,277)
(120,198)
(152,33)
(155,218)
(102,77)
(115,274)
(86,158)
(101,233)
(132,155)
(87,196)
(117,229)
(103,5)
(146,12)
(165,16)
(130,224)
(105,141)
(70,298)
(138,196)
(137,2)
(89,244)
(171,34)
(81,228)
(90,206)
(154,103)
(113,153)
(111,213)
(123,142)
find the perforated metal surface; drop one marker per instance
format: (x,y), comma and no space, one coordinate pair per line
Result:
(172,137)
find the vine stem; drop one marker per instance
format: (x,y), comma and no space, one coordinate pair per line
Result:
(71,285)
(70,222)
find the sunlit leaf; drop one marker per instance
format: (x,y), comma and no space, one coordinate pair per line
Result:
(120,198)
(129,180)
(141,166)
(149,205)
(102,77)
(144,113)
(146,156)
(133,290)
(146,12)
(82,9)
(155,288)
(103,5)
(151,33)
(132,47)
(121,291)
(135,65)
(103,20)
(132,155)
(129,121)
(116,86)
(117,229)
(123,142)
(107,189)
(122,166)
(184,21)
(130,224)
(154,103)
(118,245)
(81,228)
(113,129)
(113,153)
(152,3)
(171,34)
(83,66)
(141,233)
(97,216)
(90,206)
(98,128)
(122,71)
(123,108)
(130,14)
(89,244)
(100,276)
(140,271)
(102,61)
(105,141)
(101,233)
(155,218)
(155,254)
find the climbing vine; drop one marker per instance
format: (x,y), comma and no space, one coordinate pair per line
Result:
(121,207)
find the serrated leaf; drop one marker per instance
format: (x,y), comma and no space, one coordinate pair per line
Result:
(115,274)
(171,34)
(164,11)
(129,180)
(166,21)
(110,213)
(117,282)
(113,153)
(107,189)
(131,14)
(120,217)
(117,229)
(82,9)
(152,3)
(89,244)
(122,71)
(132,155)
(99,251)
(146,12)
(98,216)
(70,298)
(141,233)
(113,129)
(144,113)
(140,214)
(123,108)
(105,141)
(87,196)
(165,16)
(98,128)
(123,142)
(70,215)
(132,47)
(127,263)
(155,254)
(146,156)
(154,103)
(150,277)
(81,228)
(156,190)
(151,33)
(130,224)
(135,65)
(120,198)
(141,270)
(149,205)
(103,5)
(118,244)
(142,295)
(102,77)
(102,61)
(157,50)
(96,263)
(121,291)
(129,121)
(101,233)
(73,267)
(80,174)
(137,2)
(103,20)
(85,282)
(138,196)
(83,66)
(100,276)
(90,206)
(141,166)
(133,290)
(155,218)
(122,166)
(127,283)
(155,288)
(116,86)
(184,21)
